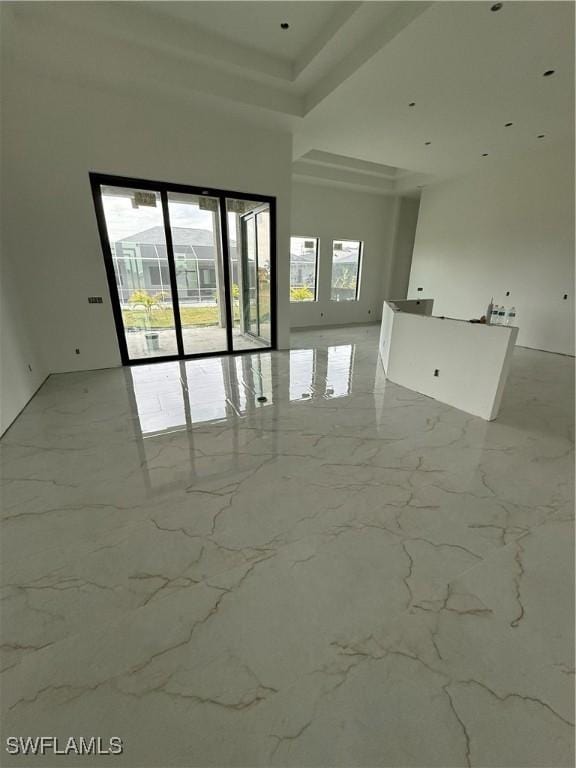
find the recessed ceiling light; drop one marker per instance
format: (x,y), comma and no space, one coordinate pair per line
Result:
(541,135)
(427,143)
(496,7)
(507,125)
(412,104)
(549,72)
(484,154)
(285,25)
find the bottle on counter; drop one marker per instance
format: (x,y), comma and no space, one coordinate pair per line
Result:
(511,316)
(489,311)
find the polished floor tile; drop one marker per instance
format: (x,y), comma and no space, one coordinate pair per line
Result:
(282,559)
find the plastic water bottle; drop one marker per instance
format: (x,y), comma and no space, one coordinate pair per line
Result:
(489,309)
(511,316)
(494,318)
(502,315)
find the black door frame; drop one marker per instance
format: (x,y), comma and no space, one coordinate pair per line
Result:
(101,179)
(245,220)
(244,225)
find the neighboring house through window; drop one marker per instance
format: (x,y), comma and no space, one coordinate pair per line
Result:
(303,268)
(346,268)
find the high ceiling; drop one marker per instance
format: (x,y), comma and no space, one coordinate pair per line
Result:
(341,77)
(469,72)
(257,24)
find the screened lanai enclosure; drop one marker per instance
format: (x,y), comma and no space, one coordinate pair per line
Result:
(191,271)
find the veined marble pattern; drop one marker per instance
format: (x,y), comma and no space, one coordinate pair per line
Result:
(345,574)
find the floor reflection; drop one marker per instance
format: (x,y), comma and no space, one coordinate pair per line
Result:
(302,373)
(176,396)
(158,397)
(339,374)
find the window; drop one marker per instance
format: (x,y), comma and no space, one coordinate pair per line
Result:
(157,277)
(346,259)
(208,278)
(303,268)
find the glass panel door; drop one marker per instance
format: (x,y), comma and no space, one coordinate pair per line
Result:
(249,237)
(249,274)
(200,283)
(263,265)
(189,270)
(135,229)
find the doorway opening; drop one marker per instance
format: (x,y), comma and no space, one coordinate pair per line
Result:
(191,271)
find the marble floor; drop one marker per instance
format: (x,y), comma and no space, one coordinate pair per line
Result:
(344,573)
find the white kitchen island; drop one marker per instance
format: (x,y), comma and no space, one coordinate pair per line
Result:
(460,363)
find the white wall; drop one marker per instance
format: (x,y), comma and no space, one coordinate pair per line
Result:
(54,133)
(508,227)
(330,214)
(403,247)
(22,369)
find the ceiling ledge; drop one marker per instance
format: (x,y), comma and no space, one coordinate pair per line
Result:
(413,182)
(379,23)
(99,59)
(330,159)
(328,175)
(214,63)
(139,23)
(311,53)
(334,184)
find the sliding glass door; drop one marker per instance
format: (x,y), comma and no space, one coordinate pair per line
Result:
(250,273)
(135,228)
(197,245)
(191,271)
(251,270)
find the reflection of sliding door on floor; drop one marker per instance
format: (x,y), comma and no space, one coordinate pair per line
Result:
(190,270)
